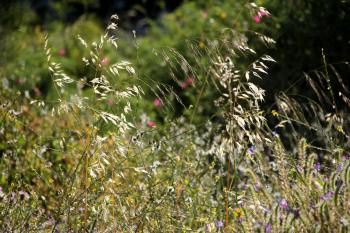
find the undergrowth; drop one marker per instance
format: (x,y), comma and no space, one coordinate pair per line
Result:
(95,162)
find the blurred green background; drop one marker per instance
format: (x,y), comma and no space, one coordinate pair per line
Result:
(301,29)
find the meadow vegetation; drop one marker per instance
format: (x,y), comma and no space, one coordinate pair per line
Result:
(178,138)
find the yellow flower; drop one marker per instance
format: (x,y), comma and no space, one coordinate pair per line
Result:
(238,213)
(340,129)
(201,44)
(275,113)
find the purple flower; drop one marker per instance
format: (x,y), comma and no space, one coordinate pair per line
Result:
(268,227)
(340,168)
(284,204)
(296,213)
(245,187)
(251,150)
(317,166)
(339,183)
(219,224)
(327,196)
(207,227)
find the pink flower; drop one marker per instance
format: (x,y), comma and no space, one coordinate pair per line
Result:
(257,19)
(105,61)
(151,124)
(263,13)
(190,81)
(183,85)
(110,102)
(157,102)
(62,52)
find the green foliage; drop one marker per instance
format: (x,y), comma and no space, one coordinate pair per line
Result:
(95,154)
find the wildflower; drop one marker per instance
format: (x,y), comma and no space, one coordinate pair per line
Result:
(274,113)
(251,150)
(219,224)
(263,13)
(245,187)
(110,102)
(339,183)
(257,19)
(105,61)
(151,124)
(340,168)
(209,227)
(327,196)
(296,213)
(238,213)
(340,129)
(183,85)
(62,52)
(201,45)
(317,167)
(268,227)
(157,102)
(284,204)
(190,81)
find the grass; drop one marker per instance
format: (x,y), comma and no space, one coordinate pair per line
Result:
(94,163)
